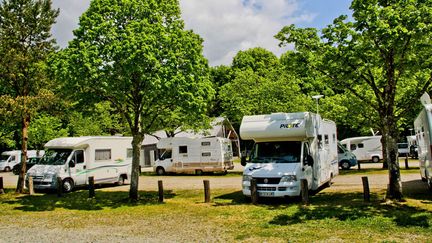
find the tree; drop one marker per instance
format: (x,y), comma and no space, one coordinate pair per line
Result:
(137,55)
(25,43)
(259,87)
(43,129)
(382,57)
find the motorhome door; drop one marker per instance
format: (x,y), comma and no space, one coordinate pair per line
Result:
(79,171)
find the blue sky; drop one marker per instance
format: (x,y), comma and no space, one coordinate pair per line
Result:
(228,26)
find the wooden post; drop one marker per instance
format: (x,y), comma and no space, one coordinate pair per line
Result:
(91,187)
(304,191)
(406,162)
(207,191)
(254,191)
(358,165)
(30,185)
(1,185)
(59,186)
(366,192)
(161,192)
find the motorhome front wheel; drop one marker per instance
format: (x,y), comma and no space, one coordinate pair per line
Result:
(68,185)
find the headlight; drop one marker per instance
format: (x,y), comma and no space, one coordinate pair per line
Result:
(247,177)
(49,176)
(288,178)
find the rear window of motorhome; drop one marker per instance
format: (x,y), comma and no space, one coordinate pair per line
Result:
(102,154)
(183,150)
(205,143)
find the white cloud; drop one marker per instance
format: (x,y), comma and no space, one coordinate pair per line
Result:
(226,26)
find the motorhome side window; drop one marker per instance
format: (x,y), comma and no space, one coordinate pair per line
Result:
(353,147)
(319,141)
(102,154)
(166,155)
(12,158)
(206,154)
(183,150)
(205,143)
(79,156)
(360,145)
(326,139)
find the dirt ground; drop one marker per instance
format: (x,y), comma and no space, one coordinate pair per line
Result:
(347,181)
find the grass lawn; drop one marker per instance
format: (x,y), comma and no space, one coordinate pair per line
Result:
(341,216)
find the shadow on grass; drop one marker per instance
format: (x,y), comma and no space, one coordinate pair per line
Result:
(348,206)
(79,200)
(355,171)
(217,174)
(417,189)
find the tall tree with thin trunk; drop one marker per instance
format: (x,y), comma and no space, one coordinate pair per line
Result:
(25,44)
(383,58)
(137,55)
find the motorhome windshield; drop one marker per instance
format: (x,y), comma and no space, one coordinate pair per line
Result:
(55,157)
(4,157)
(276,152)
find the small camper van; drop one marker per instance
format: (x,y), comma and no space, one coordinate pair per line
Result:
(74,159)
(289,147)
(423,131)
(9,159)
(194,155)
(367,148)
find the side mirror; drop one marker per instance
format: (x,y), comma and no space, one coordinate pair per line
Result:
(243,160)
(310,160)
(72,163)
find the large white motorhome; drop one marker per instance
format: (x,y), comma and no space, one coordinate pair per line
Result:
(423,131)
(75,159)
(289,147)
(194,155)
(366,148)
(9,159)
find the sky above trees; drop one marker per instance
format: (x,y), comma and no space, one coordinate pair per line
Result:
(228,26)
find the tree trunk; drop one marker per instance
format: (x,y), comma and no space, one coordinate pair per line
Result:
(389,136)
(384,152)
(136,148)
(25,125)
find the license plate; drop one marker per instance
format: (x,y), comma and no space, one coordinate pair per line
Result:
(265,194)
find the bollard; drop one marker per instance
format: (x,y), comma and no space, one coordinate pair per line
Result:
(254,192)
(366,192)
(91,187)
(207,191)
(59,186)
(30,185)
(1,185)
(304,191)
(358,165)
(161,193)
(406,162)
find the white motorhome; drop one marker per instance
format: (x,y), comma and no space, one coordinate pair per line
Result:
(9,159)
(194,155)
(366,148)
(423,131)
(289,147)
(74,159)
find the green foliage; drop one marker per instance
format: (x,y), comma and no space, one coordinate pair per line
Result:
(43,129)
(260,86)
(137,55)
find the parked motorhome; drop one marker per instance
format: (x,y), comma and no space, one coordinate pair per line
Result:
(403,149)
(194,155)
(346,158)
(75,159)
(423,131)
(288,147)
(413,147)
(366,148)
(9,159)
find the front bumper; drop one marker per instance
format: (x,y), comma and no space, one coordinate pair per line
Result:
(283,189)
(43,183)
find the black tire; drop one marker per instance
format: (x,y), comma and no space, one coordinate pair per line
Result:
(375,159)
(120,181)
(199,172)
(160,171)
(7,169)
(68,185)
(429,183)
(16,170)
(345,165)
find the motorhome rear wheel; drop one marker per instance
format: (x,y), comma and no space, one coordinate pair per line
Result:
(120,181)
(375,159)
(198,172)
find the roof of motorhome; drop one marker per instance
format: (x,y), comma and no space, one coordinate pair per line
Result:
(74,141)
(359,138)
(11,152)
